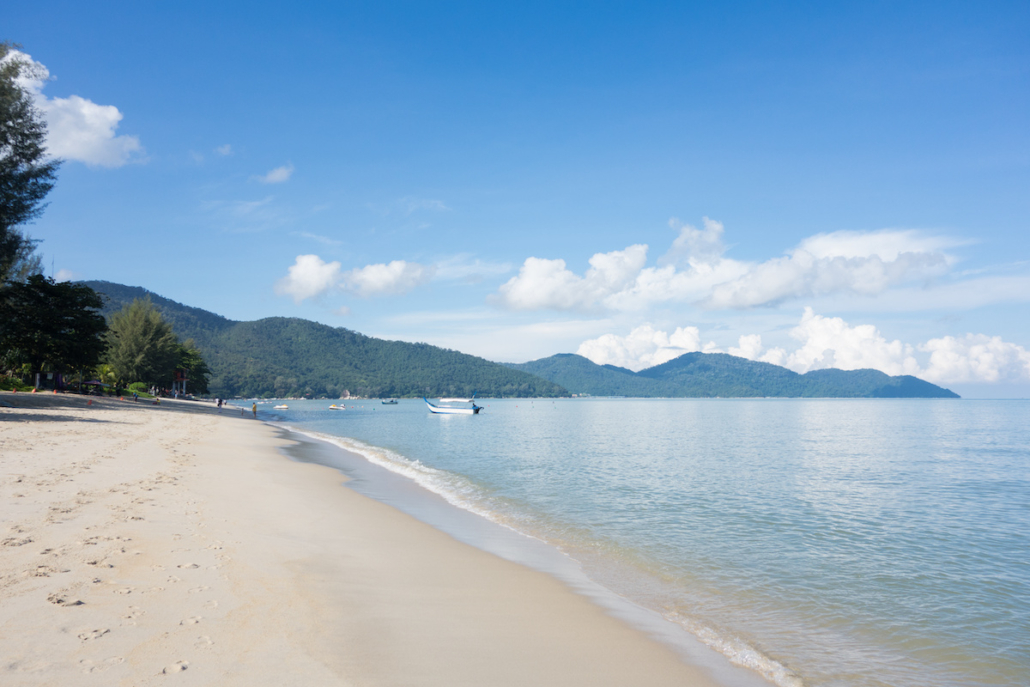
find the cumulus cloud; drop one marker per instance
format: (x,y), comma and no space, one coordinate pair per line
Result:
(393,278)
(77,128)
(543,283)
(864,263)
(308,277)
(695,269)
(830,342)
(65,275)
(643,347)
(278,175)
(975,358)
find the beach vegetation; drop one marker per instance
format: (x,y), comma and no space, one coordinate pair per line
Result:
(141,346)
(26,172)
(281,357)
(50,326)
(192,364)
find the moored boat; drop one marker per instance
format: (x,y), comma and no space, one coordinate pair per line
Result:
(390,402)
(451,410)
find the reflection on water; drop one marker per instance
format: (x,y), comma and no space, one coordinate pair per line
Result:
(848,542)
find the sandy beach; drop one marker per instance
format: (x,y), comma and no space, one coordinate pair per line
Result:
(174,544)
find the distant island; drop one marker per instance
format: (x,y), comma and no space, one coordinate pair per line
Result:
(291,357)
(711,375)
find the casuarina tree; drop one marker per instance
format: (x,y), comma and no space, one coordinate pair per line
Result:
(51,325)
(26,173)
(142,346)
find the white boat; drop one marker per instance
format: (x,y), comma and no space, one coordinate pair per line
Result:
(457,400)
(390,402)
(451,410)
(336,407)
(281,407)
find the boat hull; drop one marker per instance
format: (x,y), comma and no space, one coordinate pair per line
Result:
(444,410)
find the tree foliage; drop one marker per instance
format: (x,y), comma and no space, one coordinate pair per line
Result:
(141,346)
(293,357)
(49,324)
(26,174)
(192,363)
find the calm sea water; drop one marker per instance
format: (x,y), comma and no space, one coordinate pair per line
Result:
(818,542)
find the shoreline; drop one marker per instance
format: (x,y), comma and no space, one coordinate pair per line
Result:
(167,539)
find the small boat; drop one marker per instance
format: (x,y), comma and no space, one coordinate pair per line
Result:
(390,402)
(281,407)
(451,410)
(336,407)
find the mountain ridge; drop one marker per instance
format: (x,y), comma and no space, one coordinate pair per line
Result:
(285,356)
(711,375)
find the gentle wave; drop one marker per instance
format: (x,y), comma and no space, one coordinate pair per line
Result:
(462,493)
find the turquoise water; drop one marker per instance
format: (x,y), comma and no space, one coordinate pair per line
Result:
(818,542)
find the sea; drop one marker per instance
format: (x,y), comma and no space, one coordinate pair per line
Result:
(825,542)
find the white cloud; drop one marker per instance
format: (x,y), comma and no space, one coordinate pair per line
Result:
(65,275)
(77,129)
(308,277)
(278,175)
(830,342)
(393,278)
(693,245)
(841,262)
(543,283)
(975,358)
(224,150)
(643,347)
(696,270)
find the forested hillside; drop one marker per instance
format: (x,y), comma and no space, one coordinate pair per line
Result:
(725,376)
(278,357)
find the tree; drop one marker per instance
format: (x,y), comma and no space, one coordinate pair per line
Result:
(141,345)
(26,174)
(191,362)
(51,324)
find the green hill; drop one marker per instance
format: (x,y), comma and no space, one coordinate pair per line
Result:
(280,356)
(725,376)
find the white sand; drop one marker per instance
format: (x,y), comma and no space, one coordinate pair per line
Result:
(162,545)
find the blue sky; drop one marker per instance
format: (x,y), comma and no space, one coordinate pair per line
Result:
(810,185)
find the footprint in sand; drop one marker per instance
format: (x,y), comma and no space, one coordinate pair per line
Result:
(134,613)
(189,566)
(202,588)
(192,620)
(211,604)
(59,599)
(176,667)
(203,642)
(92,634)
(124,590)
(100,666)
(173,579)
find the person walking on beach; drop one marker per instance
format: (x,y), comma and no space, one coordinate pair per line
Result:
(253,408)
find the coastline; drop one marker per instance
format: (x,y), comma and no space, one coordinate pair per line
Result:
(143,541)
